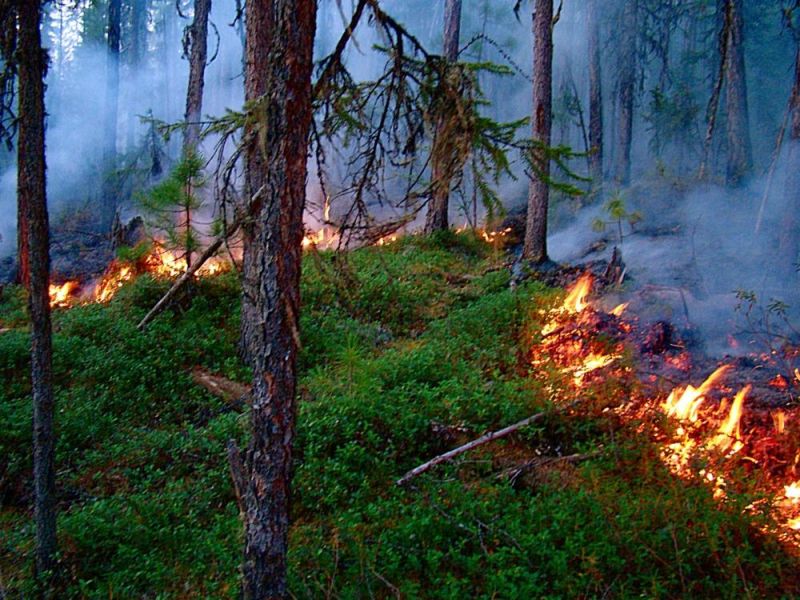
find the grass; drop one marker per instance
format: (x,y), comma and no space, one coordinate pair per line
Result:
(421,348)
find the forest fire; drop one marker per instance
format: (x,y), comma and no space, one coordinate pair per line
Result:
(710,431)
(160,262)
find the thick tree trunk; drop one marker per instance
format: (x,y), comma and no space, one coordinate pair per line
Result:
(112,109)
(31,194)
(790,233)
(725,15)
(280,41)
(535,247)
(627,83)
(198,39)
(595,98)
(437,218)
(740,151)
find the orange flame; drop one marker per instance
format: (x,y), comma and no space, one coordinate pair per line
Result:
(728,436)
(575,302)
(619,309)
(60,294)
(683,404)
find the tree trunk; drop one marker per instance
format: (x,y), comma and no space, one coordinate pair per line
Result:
(112,109)
(138,31)
(535,248)
(437,218)
(627,83)
(280,41)
(198,40)
(790,233)
(740,151)
(725,15)
(595,98)
(31,194)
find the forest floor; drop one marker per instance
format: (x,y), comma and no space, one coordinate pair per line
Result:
(420,348)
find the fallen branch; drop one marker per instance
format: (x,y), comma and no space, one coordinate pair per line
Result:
(187,276)
(484,439)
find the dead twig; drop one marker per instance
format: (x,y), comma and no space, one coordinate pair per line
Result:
(484,439)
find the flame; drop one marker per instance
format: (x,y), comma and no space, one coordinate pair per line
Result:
(575,302)
(619,309)
(494,236)
(792,491)
(60,294)
(591,363)
(115,277)
(728,436)
(683,403)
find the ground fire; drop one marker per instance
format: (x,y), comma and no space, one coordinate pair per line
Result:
(713,433)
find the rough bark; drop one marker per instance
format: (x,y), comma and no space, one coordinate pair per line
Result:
(198,55)
(112,109)
(437,218)
(535,247)
(280,40)
(627,83)
(31,193)
(740,151)
(595,98)
(790,234)
(137,42)
(725,16)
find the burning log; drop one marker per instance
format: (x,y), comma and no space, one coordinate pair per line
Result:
(484,439)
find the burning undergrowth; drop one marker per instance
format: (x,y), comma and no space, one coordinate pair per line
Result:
(732,424)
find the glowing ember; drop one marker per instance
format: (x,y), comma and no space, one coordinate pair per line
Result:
(591,363)
(60,294)
(728,437)
(683,404)
(779,421)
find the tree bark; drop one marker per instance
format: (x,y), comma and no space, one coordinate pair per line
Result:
(535,247)
(740,151)
(31,194)
(280,41)
(198,40)
(595,98)
(627,83)
(790,233)
(112,109)
(138,32)
(725,15)
(437,218)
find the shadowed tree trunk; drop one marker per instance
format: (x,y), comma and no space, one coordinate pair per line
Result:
(198,40)
(627,83)
(437,218)
(790,233)
(725,15)
(32,67)
(111,108)
(740,151)
(535,248)
(595,98)
(280,41)
(137,44)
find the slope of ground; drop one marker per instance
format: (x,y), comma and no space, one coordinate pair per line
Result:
(411,349)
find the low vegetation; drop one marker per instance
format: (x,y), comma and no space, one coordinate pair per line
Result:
(407,350)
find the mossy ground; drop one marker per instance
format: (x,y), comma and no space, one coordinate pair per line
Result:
(421,346)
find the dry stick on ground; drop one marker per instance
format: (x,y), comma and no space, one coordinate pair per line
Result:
(484,439)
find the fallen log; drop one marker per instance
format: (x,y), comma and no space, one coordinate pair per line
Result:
(484,439)
(187,276)
(233,393)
